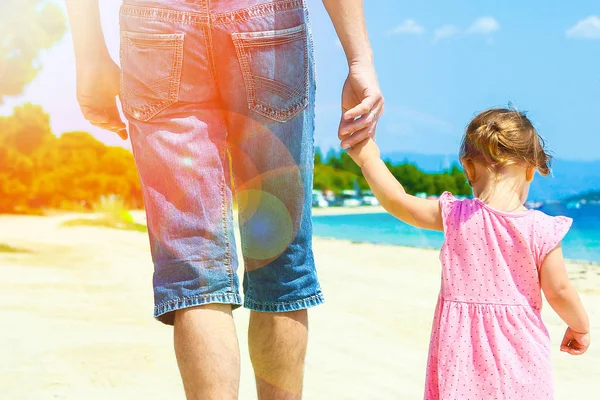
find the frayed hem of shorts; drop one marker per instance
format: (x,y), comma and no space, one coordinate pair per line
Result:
(165,312)
(285,306)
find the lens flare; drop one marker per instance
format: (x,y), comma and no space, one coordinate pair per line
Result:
(268,229)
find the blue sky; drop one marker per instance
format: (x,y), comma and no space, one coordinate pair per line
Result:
(439,63)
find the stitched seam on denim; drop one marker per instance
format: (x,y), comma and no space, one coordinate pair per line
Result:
(246,71)
(257,11)
(153,40)
(279,87)
(177,71)
(280,115)
(224,160)
(123,55)
(225,220)
(311,87)
(233,296)
(283,303)
(243,237)
(268,41)
(161,14)
(242,224)
(198,296)
(274,34)
(182,261)
(208,42)
(307,62)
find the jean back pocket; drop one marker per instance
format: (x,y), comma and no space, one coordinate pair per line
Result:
(151,65)
(275,68)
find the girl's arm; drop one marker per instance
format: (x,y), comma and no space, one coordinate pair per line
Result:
(563,298)
(412,210)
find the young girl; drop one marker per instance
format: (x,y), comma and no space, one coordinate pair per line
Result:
(488,340)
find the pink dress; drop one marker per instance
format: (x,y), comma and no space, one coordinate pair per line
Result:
(488,340)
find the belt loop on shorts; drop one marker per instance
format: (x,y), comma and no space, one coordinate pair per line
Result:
(204,6)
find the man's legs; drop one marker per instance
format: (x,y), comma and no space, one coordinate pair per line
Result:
(277,344)
(178,136)
(266,79)
(207,352)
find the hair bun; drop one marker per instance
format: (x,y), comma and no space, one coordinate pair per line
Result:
(493,127)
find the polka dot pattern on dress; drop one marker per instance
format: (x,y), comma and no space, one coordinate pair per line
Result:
(488,340)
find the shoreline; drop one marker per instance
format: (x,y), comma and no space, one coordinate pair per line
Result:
(139,216)
(334,211)
(569,260)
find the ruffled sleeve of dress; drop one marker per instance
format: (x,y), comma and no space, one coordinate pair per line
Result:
(447,205)
(549,232)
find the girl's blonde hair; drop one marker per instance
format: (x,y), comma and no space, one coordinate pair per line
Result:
(500,137)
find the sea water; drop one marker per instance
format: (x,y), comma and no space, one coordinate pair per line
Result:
(581,243)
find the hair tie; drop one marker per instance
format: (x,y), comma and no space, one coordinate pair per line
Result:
(493,126)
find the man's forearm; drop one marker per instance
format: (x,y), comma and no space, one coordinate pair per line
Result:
(348,18)
(88,40)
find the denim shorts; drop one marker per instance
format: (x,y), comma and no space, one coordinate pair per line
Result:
(219,96)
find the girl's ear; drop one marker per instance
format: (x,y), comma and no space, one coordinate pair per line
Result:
(470,171)
(529,173)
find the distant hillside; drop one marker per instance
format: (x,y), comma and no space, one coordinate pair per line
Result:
(589,196)
(569,179)
(426,162)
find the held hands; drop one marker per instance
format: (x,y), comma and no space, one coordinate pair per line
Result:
(98,86)
(575,343)
(364,152)
(361,97)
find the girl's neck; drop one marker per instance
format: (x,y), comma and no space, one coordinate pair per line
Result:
(504,193)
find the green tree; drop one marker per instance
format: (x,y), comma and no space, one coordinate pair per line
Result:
(347,164)
(318,156)
(16,172)
(462,185)
(39,170)
(26,28)
(26,130)
(333,159)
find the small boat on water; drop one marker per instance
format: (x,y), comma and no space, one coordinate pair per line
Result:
(534,205)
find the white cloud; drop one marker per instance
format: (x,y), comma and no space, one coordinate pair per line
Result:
(588,28)
(445,32)
(408,27)
(484,26)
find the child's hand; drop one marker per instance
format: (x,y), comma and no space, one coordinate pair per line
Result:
(364,151)
(575,343)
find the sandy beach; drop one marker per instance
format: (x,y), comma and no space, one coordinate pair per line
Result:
(76,320)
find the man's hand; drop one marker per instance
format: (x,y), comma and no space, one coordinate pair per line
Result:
(98,77)
(362,105)
(97,90)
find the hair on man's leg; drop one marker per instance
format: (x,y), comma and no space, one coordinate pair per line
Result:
(207,351)
(277,343)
